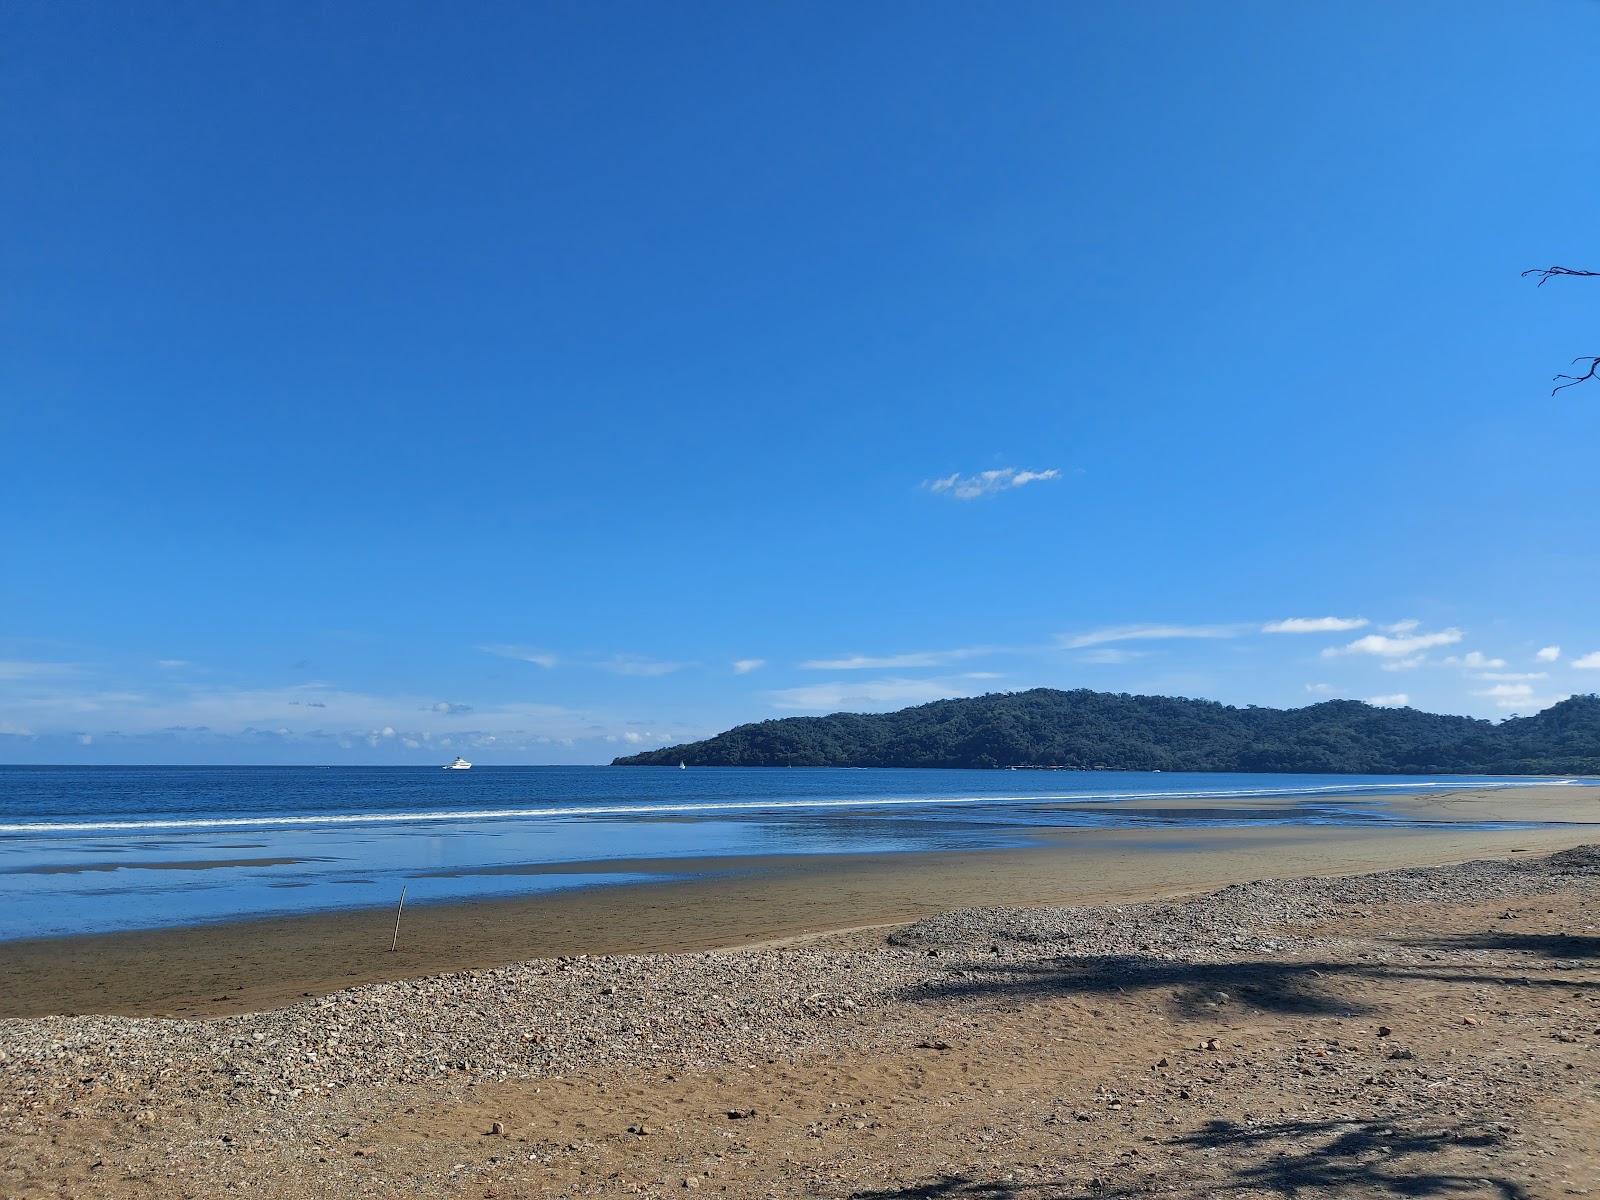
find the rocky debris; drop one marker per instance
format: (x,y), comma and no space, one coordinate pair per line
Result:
(1254,917)
(546,1019)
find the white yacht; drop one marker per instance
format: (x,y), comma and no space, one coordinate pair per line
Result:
(460,764)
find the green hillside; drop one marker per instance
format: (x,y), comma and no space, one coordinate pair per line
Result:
(1084,729)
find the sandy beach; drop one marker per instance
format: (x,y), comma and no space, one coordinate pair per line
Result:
(1267,1012)
(216,970)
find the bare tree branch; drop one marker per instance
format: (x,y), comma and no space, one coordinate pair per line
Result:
(1574,380)
(1546,274)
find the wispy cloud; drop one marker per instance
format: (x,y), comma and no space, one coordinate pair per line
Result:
(1398,700)
(1548,654)
(1321,689)
(1396,647)
(867,694)
(1515,675)
(1519,696)
(987,483)
(1405,626)
(1314,625)
(1474,661)
(312,713)
(1140,633)
(171,664)
(634,664)
(15,670)
(745,665)
(636,738)
(1405,664)
(531,654)
(1589,662)
(1508,691)
(895,662)
(1109,656)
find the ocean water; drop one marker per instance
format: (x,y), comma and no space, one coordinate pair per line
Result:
(94,849)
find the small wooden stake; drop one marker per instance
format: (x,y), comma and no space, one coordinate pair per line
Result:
(397,912)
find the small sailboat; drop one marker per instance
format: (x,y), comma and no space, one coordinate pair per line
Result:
(460,764)
(681,767)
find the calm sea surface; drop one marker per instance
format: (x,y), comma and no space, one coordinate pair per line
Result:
(87,849)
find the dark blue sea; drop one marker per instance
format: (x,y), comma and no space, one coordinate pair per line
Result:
(93,849)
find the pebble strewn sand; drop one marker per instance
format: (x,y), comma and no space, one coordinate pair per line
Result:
(103,1086)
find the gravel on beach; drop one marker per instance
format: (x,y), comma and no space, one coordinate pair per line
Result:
(579,1016)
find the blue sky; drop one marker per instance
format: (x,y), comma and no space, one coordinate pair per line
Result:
(542,381)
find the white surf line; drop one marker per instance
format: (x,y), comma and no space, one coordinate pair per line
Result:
(611,810)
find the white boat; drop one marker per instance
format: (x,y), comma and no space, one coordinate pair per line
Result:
(460,764)
(681,767)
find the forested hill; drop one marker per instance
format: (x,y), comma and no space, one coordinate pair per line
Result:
(1085,729)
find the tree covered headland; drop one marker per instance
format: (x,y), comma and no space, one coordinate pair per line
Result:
(1083,729)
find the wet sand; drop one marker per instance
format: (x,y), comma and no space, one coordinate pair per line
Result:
(246,966)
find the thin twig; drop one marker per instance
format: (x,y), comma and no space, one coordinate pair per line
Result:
(1546,274)
(1575,380)
(397,913)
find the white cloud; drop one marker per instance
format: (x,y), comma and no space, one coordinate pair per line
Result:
(1107,656)
(1401,626)
(1395,647)
(633,664)
(6,727)
(1322,689)
(522,654)
(634,738)
(1314,625)
(987,483)
(451,710)
(1138,633)
(895,662)
(855,695)
(1589,662)
(1398,700)
(1404,664)
(1548,654)
(1532,704)
(1518,696)
(1509,690)
(1475,661)
(867,662)
(1515,675)
(172,663)
(745,665)
(308,712)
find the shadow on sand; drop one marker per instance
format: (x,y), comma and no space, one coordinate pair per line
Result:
(1288,1158)
(1400,1157)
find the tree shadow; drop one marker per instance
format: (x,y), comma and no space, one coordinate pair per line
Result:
(1350,1158)
(1546,945)
(1285,1158)
(1199,990)
(950,1187)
